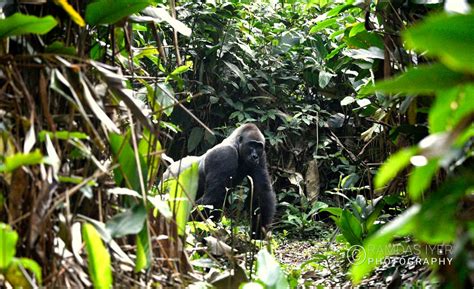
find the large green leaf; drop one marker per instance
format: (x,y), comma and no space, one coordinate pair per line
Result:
(16,275)
(143,260)
(393,165)
(364,39)
(149,148)
(236,71)
(182,195)
(377,247)
(129,222)
(19,24)
(162,98)
(420,179)
(128,169)
(99,259)
(449,37)
(424,79)
(433,227)
(323,24)
(350,227)
(111,11)
(357,28)
(333,210)
(8,239)
(269,271)
(197,133)
(33,267)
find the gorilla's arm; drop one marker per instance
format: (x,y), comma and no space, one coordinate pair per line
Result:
(264,197)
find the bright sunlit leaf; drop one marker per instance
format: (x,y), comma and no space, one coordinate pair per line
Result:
(19,24)
(418,161)
(75,16)
(322,25)
(8,239)
(20,159)
(159,14)
(182,195)
(33,267)
(100,268)
(269,271)
(150,148)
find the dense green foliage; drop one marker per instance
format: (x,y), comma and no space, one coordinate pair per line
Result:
(366,107)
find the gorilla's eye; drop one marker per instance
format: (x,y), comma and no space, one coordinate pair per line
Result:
(257,146)
(259,150)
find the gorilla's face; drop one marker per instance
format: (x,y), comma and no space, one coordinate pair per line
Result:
(251,152)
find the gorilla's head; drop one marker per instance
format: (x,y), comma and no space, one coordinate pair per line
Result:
(251,146)
(251,152)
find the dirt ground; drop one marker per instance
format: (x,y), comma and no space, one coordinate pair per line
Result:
(323,263)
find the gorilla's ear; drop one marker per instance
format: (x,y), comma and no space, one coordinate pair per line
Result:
(240,139)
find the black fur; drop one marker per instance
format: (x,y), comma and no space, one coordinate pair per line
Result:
(225,165)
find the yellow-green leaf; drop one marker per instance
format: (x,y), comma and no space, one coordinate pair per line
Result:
(75,16)
(20,159)
(34,267)
(182,195)
(99,259)
(8,239)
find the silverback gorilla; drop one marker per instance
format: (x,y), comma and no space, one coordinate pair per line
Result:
(225,165)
